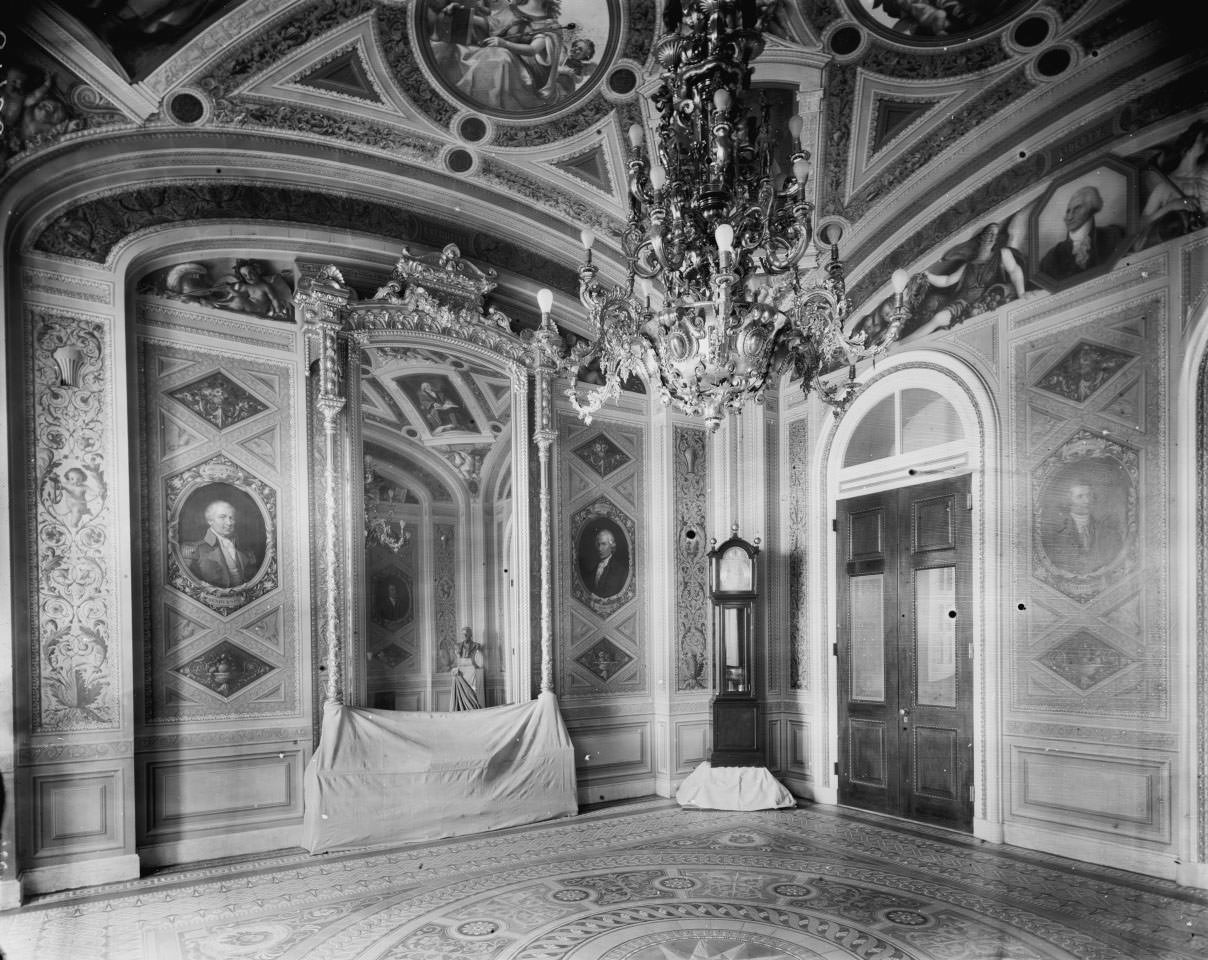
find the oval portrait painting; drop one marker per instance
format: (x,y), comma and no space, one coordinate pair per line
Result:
(222,536)
(604,557)
(1083,521)
(520,59)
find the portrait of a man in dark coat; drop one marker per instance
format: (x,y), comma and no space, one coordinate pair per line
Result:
(604,564)
(218,558)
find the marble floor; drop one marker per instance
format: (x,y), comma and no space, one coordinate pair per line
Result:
(639,881)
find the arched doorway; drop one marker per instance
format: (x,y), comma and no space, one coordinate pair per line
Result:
(909,508)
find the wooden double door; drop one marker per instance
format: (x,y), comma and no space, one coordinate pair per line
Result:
(905,653)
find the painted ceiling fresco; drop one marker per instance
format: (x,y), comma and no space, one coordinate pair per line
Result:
(502,127)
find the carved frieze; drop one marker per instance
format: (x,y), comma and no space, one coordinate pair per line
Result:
(242,285)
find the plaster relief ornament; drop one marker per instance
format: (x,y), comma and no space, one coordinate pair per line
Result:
(247,286)
(32,112)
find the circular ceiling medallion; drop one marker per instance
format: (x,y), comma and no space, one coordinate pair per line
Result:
(521,61)
(935,23)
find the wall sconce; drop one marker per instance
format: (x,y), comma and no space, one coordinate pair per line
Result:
(69,358)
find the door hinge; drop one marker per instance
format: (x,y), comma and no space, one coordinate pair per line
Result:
(836,768)
(971,797)
(834,649)
(968,501)
(835,524)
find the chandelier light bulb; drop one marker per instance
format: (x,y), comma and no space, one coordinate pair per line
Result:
(900,279)
(724,234)
(587,238)
(801,170)
(658,176)
(637,136)
(795,125)
(722,99)
(545,300)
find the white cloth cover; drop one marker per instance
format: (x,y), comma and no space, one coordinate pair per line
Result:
(387,776)
(733,788)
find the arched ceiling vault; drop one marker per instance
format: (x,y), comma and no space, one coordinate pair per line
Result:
(380,117)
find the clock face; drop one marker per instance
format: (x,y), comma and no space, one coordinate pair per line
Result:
(736,571)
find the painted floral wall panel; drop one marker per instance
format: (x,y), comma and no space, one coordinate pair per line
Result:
(600,552)
(220,541)
(1091,495)
(692,605)
(76,682)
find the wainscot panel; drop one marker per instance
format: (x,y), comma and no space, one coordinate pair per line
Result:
(205,793)
(1125,796)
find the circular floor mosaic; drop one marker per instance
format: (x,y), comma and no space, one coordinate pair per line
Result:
(677,905)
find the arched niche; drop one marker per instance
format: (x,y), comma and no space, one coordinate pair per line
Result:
(423,424)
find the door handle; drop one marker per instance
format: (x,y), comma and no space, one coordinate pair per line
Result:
(905,716)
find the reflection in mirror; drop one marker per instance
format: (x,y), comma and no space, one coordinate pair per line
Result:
(437,445)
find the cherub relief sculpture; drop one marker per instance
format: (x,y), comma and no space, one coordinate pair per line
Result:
(250,287)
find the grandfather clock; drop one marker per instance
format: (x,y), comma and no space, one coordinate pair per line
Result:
(734,587)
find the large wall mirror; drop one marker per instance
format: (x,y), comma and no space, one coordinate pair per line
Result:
(428,397)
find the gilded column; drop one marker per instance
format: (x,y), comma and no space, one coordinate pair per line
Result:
(319,303)
(546,347)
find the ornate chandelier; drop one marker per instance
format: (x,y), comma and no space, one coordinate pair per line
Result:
(716,306)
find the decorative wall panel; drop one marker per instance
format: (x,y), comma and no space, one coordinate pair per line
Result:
(77,812)
(76,680)
(1090,513)
(218,463)
(692,606)
(445,601)
(599,548)
(1116,795)
(208,792)
(798,459)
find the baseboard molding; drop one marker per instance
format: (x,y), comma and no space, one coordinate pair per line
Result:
(79,873)
(624,790)
(809,790)
(197,849)
(1192,875)
(1101,851)
(10,894)
(988,830)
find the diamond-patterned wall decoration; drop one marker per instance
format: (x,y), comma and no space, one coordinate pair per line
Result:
(225,669)
(218,400)
(240,411)
(1084,660)
(1083,370)
(604,659)
(602,455)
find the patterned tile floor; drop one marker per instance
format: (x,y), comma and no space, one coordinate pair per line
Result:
(643,881)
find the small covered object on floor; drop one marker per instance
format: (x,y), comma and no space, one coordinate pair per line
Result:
(733,788)
(385,776)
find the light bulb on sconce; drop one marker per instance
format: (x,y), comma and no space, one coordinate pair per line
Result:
(545,297)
